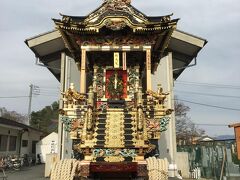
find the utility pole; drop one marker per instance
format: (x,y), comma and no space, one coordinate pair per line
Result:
(30,104)
(34,90)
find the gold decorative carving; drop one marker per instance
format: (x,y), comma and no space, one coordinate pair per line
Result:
(139,158)
(122,2)
(158,96)
(88,158)
(78,117)
(140,118)
(121,40)
(157,122)
(73,134)
(115,5)
(148,59)
(88,143)
(140,143)
(89,119)
(71,97)
(90,99)
(114,159)
(115,24)
(116,58)
(114,129)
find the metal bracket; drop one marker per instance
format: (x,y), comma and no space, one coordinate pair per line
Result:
(191,65)
(39,63)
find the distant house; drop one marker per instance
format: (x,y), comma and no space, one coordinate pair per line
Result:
(47,145)
(197,140)
(186,140)
(17,138)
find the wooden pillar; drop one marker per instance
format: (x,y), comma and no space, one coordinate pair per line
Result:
(83,72)
(237,137)
(148,69)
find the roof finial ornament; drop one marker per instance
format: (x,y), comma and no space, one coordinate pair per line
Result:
(118,1)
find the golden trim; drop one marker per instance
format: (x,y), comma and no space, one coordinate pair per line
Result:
(114,129)
(114,159)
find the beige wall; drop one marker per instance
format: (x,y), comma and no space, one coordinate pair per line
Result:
(30,136)
(183,163)
(4,130)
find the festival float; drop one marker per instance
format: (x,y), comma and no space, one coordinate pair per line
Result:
(115,118)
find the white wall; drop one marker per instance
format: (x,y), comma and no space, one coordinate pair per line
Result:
(47,145)
(164,76)
(74,74)
(69,74)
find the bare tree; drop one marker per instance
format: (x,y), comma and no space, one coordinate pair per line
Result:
(186,130)
(13,115)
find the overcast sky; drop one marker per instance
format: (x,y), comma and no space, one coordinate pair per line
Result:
(218,21)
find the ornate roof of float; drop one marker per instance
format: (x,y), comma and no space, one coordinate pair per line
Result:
(117,23)
(48,46)
(115,15)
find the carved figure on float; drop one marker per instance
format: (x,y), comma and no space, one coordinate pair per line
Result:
(118,1)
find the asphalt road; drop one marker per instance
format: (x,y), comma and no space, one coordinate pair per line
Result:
(28,173)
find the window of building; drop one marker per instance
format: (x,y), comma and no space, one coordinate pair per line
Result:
(3,142)
(12,143)
(24,143)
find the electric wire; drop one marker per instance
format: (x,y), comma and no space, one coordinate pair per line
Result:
(54,94)
(207,85)
(208,105)
(13,97)
(49,90)
(16,97)
(42,87)
(200,124)
(212,84)
(208,94)
(49,95)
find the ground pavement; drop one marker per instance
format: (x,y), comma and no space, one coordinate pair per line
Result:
(28,173)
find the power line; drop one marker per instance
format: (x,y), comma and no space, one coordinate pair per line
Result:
(208,94)
(16,97)
(13,97)
(55,94)
(208,105)
(211,84)
(208,85)
(46,89)
(57,88)
(211,124)
(48,92)
(48,95)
